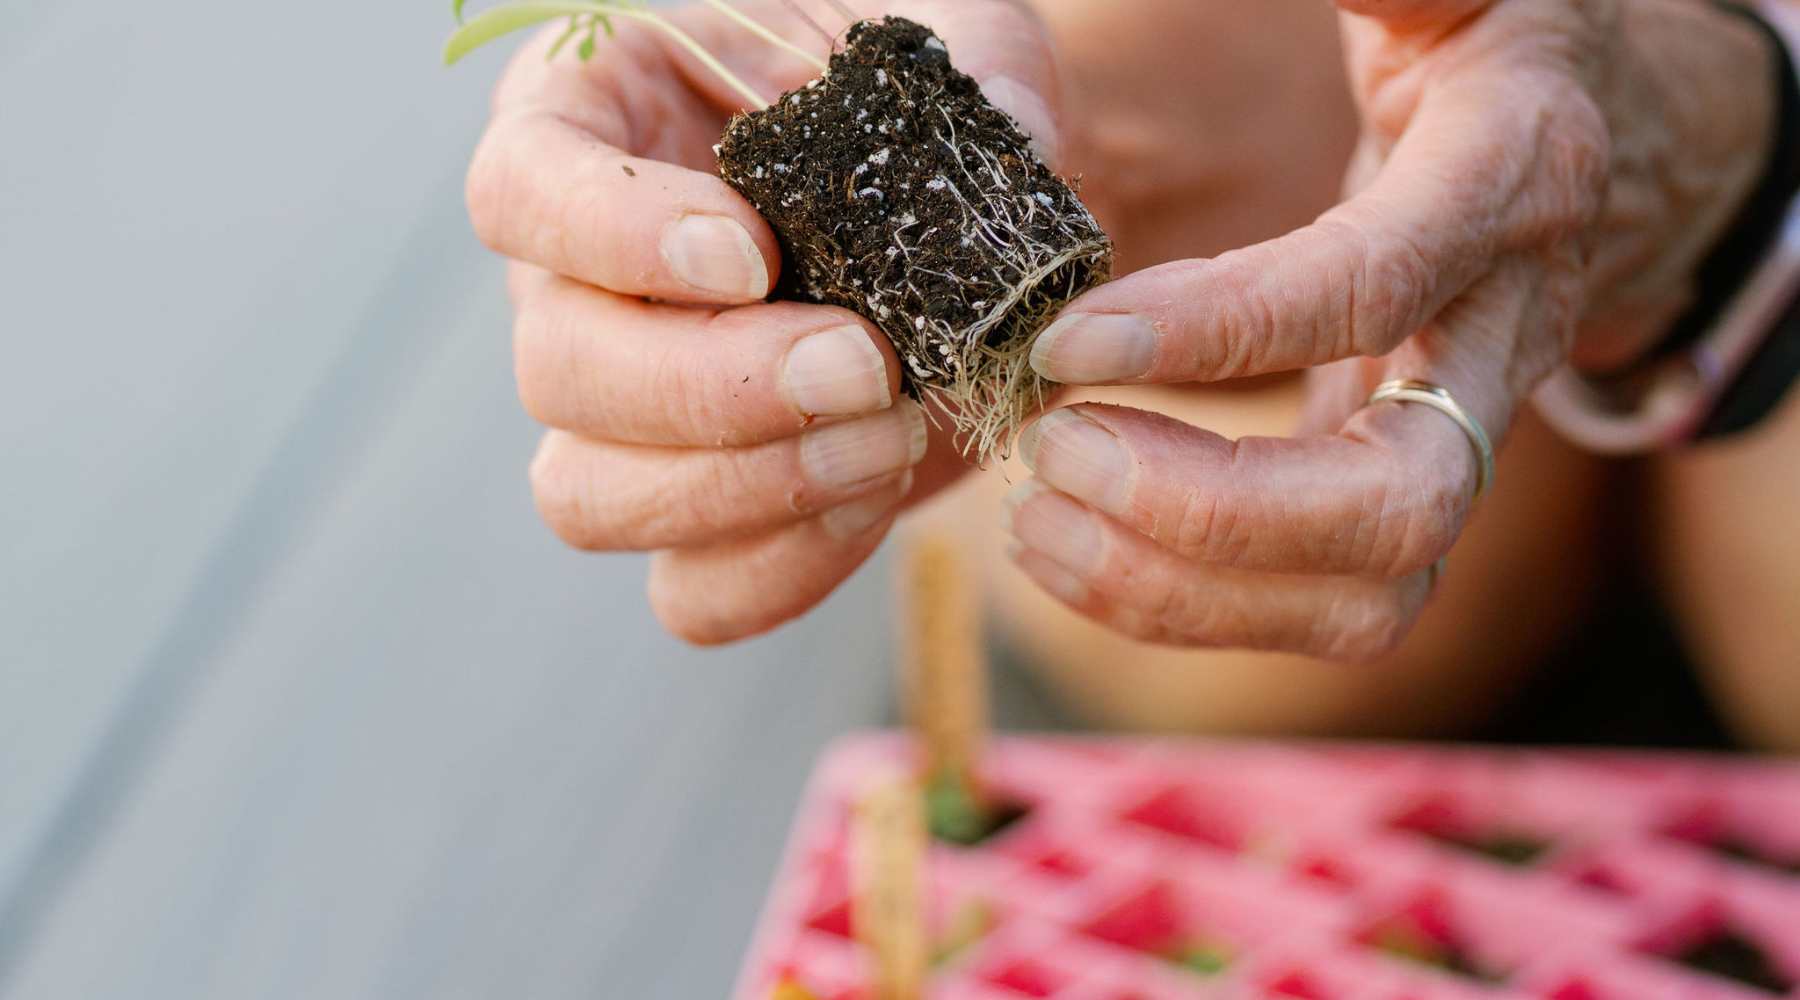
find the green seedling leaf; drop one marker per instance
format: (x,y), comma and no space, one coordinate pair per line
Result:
(1207,960)
(504,20)
(586,50)
(456,8)
(952,812)
(563,39)
(510,17)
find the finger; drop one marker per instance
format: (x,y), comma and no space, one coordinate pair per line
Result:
(1366,275)
(739,589)
(601,496)
(609,366)
(548,190)
(1386,497)
(1126,581)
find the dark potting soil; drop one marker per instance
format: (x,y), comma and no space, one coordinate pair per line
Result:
(899,192)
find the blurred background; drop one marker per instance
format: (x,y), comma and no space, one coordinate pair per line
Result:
(298,698)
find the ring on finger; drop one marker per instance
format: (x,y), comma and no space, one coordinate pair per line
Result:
(1410,390)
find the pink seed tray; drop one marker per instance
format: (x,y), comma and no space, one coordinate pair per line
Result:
(1321,871)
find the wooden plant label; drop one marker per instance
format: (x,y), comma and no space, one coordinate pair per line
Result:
(888,889)
(943,669)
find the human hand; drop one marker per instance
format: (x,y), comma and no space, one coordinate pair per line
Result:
(1535,180)
(760,450)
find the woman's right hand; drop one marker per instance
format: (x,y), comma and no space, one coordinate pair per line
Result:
(760,450)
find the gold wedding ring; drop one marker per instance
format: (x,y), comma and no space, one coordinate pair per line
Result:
(1411,390)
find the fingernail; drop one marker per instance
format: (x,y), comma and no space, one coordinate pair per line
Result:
(1055,526)
(1095,348)
(1028,110)
(843,455)
(1079,457)
(716,255)
(836,372)
(849,520)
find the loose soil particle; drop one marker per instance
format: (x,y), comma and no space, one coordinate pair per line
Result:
(899,192)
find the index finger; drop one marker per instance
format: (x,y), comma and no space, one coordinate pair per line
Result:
(554,182)
(1471,177)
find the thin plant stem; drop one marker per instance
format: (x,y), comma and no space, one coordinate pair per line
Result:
(508,17)
(751,25)
(686,41)
(800,12)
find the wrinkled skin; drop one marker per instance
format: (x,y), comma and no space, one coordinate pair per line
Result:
(761,451)
(1534,178)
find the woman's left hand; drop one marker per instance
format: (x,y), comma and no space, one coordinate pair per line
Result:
(1536,182)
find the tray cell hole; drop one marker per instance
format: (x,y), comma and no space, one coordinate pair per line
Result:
(1425,932)
(1179,812)
(1295,984)
(1440,820)
(1709,943)
(1153,922)
(1027,977)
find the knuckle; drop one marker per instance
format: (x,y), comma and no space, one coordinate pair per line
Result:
(690,401)
(1570,162)
(487,189)
(1245,316)
(1415,525)
(535,379)
(1391,286)
(1366,632)
(1202,517)
(1212,524)
(1145,627)
(1201,621)
(1578,155)
(565,497)
(551,491)
(558,384)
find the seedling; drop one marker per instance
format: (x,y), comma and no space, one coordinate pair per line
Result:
(1200,956)
(898,192)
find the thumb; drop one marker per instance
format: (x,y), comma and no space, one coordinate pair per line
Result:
(1414,14)
(1006,49)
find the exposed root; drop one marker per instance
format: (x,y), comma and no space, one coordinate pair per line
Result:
(899,192)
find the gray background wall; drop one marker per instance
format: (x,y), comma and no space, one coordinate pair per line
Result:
(297,698)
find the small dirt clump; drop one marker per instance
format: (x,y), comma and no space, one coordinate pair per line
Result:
(900,193)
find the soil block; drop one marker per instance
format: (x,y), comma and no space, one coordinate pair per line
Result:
(899,192)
